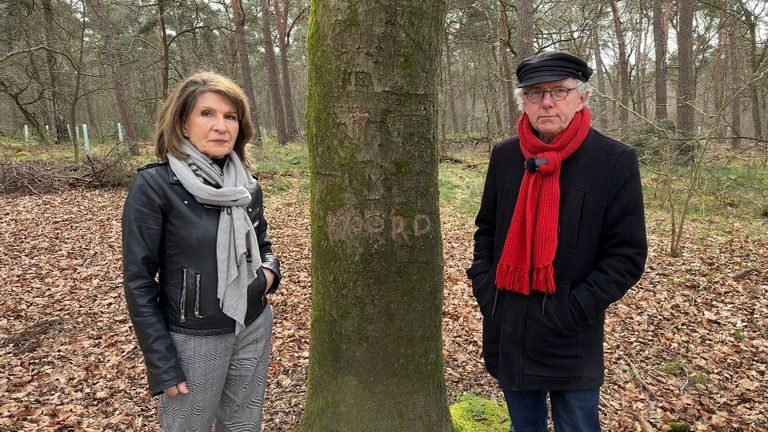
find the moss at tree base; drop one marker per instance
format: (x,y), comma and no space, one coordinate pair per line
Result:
(476,414)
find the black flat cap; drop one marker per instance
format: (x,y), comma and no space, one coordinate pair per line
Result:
(551,66)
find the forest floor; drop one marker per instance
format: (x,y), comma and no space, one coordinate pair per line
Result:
(688,343)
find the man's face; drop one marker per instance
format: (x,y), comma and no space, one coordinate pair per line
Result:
(549,116)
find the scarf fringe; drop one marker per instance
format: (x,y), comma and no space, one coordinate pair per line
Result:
(544,279)
(513,279)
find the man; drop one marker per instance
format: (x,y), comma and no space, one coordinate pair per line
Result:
(560,236)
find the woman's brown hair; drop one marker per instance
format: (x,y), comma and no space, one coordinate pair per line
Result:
(178,106)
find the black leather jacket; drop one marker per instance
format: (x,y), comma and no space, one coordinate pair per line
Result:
(169,268)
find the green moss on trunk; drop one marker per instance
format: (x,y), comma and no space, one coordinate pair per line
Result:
(375,344)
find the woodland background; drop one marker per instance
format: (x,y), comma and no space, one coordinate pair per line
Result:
(689,66)
(682,81)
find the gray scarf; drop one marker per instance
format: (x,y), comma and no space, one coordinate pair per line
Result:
(237,249)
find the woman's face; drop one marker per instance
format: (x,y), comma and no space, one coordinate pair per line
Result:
(212,125)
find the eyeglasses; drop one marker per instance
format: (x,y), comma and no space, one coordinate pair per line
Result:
(557,93)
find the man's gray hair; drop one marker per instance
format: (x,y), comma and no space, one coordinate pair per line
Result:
(581,87)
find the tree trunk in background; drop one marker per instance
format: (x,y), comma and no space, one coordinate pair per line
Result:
(375,360)
(685,76)
(601,107)
(76,92)
(524,45)
(274,84)
(449,79)
(119,76)
(37,126)
(660,31)
(281,21)
(184,64)
(639,66)
(506,70)
(623,69)
(59,125)
(736,76)
(755,88)
(245,67)
(162,37)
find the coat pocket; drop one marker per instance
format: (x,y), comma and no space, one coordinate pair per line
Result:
(257,289)
(183,295)
(553,344)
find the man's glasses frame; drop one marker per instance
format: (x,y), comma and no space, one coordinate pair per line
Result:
(558,93)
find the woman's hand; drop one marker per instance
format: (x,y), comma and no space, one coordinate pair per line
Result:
(176,389)
(270,275)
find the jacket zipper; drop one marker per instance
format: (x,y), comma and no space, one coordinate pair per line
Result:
(183,301)
(197,295)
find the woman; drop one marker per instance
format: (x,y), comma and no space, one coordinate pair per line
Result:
(198,263)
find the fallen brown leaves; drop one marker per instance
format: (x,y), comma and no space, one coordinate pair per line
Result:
(689,343)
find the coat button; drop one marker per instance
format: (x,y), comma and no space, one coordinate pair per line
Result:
(250,209)
(186,202)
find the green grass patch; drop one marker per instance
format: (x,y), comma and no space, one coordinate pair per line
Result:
(674,367)
(701,378)
(476,414)
(461,186)
(272,159)
(723,190)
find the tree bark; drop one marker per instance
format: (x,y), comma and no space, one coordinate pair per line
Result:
(59,124)
(245,67)
(736,76)
(660,32)
(281,20)
(506,69)
(119,76)
(274,84)
(601,119)
(755,88)
(375,345)
(449,94)
(685,76)
(163,41)
(623,68)
(78,84)
(639,64)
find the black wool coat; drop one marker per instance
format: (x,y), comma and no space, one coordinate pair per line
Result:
(555,342)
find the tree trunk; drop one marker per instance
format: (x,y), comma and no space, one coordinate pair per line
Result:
(163,41)
(274,84)
(685,77)
(76,91)
(449,94)
(281,20)
(660,31)
(756,87)
(184,48)
(506,69)
(245,67)
(525,33)
(623,68)
(375,345)
(59,125)
(736,76)
(118,75)
(601,119)
(639,66)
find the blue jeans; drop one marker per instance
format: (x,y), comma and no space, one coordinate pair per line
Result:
(572,411)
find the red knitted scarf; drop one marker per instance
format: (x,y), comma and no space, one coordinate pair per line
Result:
(526,261)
